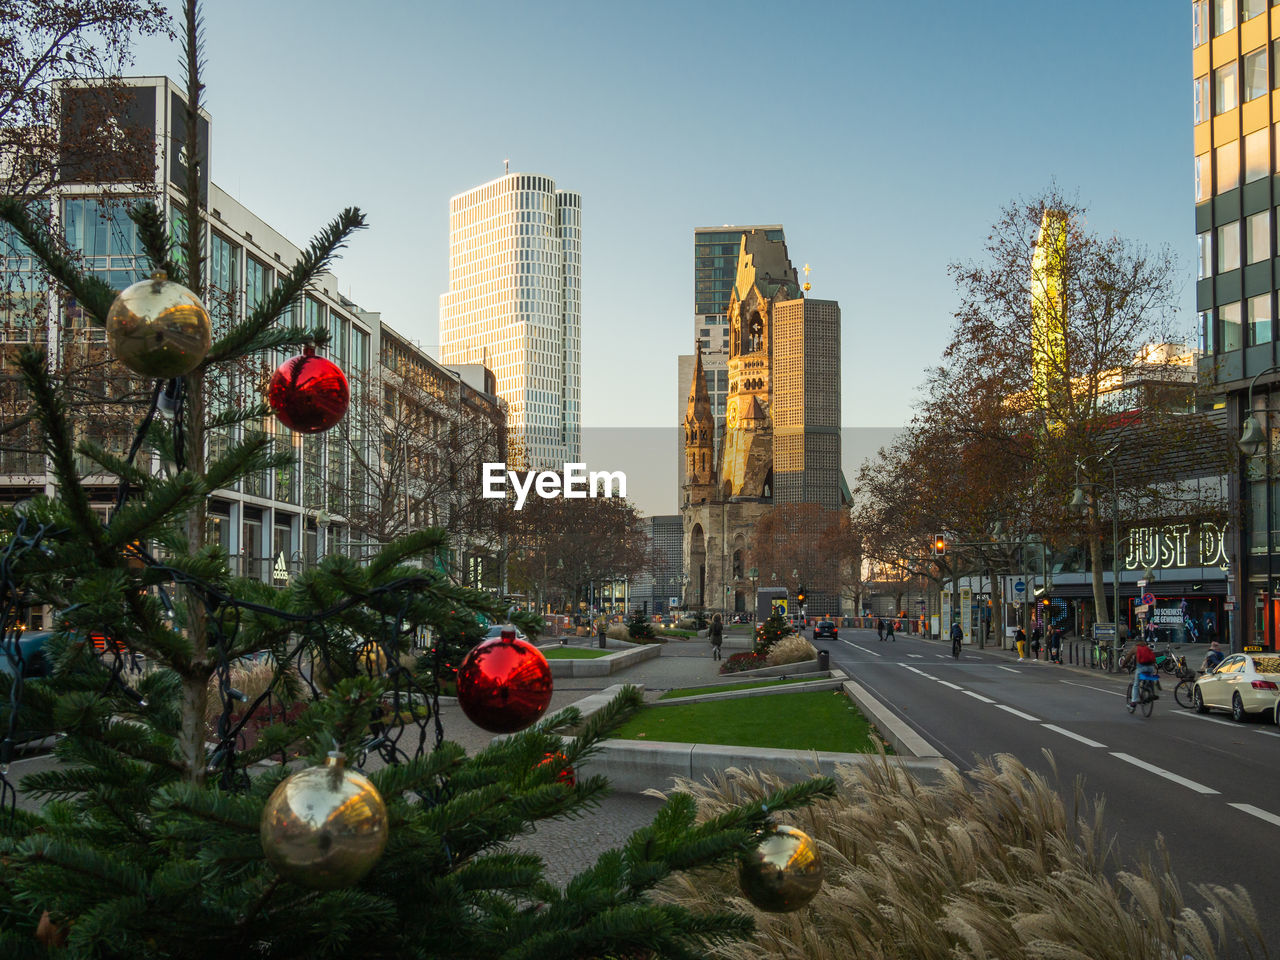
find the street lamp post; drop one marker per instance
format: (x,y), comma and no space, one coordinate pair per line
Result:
(1252,439)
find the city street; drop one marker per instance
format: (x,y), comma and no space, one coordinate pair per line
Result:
(1205,783)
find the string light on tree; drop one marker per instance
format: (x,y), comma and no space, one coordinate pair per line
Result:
(159,328)
(308,393)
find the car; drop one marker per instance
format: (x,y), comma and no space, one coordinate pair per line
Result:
(1243,683)
(31,645)
(496,631)
(826,629)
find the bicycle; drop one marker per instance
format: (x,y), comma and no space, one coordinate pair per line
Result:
(955,649)
(1146,696)
(1184,692)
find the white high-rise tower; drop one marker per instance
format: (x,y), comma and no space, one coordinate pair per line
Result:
(515,304)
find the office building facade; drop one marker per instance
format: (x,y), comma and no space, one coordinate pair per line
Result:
(1236,167)
(514,304)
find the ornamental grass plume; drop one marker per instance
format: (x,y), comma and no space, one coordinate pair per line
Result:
(990,865)
(790,649)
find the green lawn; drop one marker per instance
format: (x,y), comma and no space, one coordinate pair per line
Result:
(572,653)
(823,720)
(722,687)
(673,632)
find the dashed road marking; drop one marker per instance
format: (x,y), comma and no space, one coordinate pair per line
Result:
(977,696)
(1269,733)
(947,683)
(914,670)
(1257,812)
(1074,736)
(1161,772)
(1010,669)
(917,656)
(874,653)
(1017,713)
(1114,693)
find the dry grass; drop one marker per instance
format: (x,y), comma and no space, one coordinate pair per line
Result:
(618,631)
(991,866)
(792,648)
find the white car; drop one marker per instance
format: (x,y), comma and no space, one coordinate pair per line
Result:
(496,631)
(1243,683)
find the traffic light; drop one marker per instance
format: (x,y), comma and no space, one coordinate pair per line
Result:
(939,544)
(800,595)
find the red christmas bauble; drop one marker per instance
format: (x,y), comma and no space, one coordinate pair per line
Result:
(504,684)
(308,393)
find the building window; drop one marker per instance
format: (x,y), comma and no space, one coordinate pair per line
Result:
(1257,155)
(1230,314)
(1224,16)
(1206,332)
(1226,163)
(1226,90)
(1199,22)
(1229,247)
(1251,8)
(1260,319)
(1200,99)
(1204,244)
(1202,177)
(1255,73)
(1257,237)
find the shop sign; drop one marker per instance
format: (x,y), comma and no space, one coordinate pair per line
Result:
(1171,545)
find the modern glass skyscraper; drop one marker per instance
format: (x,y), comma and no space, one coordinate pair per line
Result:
(515,304)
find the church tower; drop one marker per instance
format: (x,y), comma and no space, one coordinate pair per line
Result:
(699,439)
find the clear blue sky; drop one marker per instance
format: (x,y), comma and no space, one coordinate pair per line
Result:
(885,137)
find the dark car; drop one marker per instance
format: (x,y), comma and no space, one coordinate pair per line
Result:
(826,629)
(31,645)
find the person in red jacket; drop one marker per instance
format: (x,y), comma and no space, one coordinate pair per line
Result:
(1145,659)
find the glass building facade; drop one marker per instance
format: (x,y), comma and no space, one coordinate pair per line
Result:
(514,304)
(1236,185)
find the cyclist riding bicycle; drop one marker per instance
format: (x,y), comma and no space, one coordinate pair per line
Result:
(957,637)
(1145,659)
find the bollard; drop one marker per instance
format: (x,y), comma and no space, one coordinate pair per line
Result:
(824,659)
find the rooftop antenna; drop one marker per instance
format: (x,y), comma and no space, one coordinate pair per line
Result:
(506,166)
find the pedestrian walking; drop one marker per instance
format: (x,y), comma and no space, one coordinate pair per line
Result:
(880,627)
(1035,649)
(1019,637)
(1036,636)
(1055,645)
(888,631)
(717,636)
(1021,644)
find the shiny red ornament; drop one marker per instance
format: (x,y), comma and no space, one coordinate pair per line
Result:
(308,393)
(504,684)
(558,759)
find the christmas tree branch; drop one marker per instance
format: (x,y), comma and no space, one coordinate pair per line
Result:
(92,294)
(238,340)
(153,235)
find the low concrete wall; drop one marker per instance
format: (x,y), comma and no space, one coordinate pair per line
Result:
(603,666)
(782,670)
(825,680)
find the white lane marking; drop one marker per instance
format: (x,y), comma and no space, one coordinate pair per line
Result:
(1074,736)
(1114,693)
(1010,669)
(942,656)
(978,696)
(914,670)
(1269,733)
(1161,772)
(1255,811)
(953,686)
(864,649)
(917,656)
(1203,719)
(1017,713)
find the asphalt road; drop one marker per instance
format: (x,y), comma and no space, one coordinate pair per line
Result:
(1210,786)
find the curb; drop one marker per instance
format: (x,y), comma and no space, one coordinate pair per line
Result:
(828,680)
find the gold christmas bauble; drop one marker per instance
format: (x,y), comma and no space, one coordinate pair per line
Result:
(783,872)
(159,328)
(324,827)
